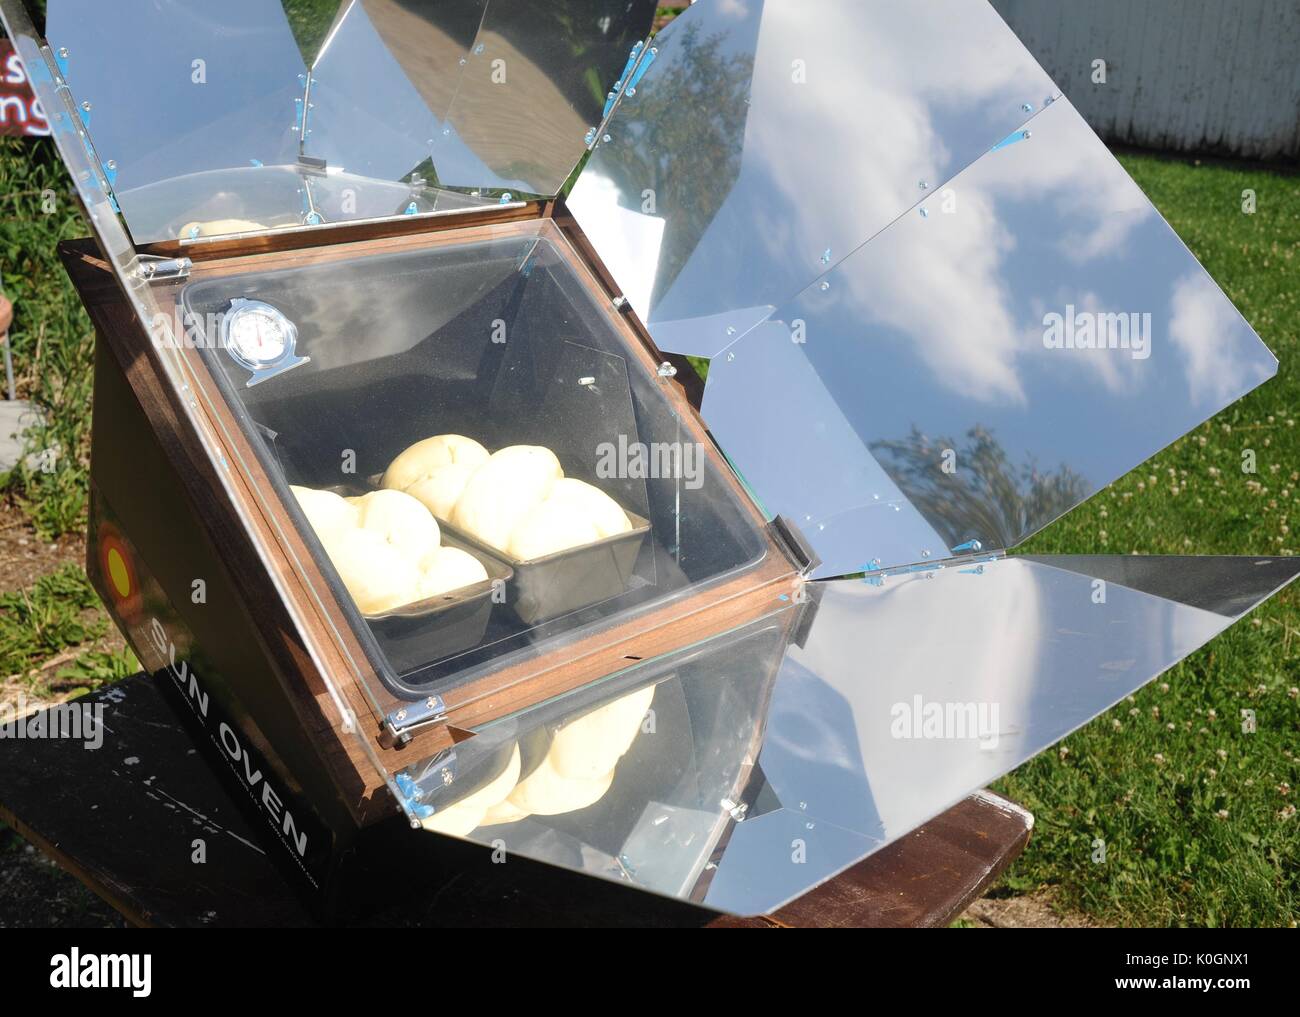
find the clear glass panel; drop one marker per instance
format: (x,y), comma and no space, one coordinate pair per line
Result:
(749,769)
(1037,334)
(534,83)
(769,138)
(497,338)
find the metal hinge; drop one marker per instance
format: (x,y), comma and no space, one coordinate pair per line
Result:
(638,62)
(152,268)
(400,725)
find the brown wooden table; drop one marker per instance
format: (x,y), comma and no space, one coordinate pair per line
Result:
(124,819)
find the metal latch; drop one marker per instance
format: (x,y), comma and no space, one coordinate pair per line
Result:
(400,725)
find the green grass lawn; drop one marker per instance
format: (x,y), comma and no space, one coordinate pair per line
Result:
(1195,815)
(1198,818)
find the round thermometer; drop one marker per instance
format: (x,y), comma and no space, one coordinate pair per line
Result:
(260,338)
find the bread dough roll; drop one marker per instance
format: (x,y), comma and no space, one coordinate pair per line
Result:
(402,521)
(466,815)
(377,575)
(441,489)
(592,745)
(446,569)
(424,457)
(504,490)
(546,792)
(595,505)
(328,513)
(553,526)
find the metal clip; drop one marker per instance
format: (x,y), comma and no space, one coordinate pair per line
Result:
(400,724)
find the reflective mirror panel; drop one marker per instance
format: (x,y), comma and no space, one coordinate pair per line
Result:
(410,106)
(1223,585)
(534,83)
(177,88)
(767,140)
(1036,333)
(747,770)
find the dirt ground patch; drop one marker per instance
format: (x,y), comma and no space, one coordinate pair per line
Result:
(24,558)
(1035,911)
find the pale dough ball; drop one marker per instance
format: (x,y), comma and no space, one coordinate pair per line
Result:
(401,521)
(376,574)
(598,507)
(446,569)
(441,489)
(466,815)
(528,461)
(420,460)
(546,792)
(551,527)
(328,513)
(504,490)
(593,744)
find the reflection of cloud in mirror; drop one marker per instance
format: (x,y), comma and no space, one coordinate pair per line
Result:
(869,116)
(1200,321)
(944,282)
(1116,369)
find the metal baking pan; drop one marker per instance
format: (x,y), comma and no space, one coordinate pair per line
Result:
(556,584)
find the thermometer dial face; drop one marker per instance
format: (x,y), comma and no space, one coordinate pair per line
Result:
(258,335)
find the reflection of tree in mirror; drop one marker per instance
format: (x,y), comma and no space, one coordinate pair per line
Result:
(981,495)
(699,120)
(310,22)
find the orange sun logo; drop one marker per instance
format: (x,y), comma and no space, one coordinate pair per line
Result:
(117,567)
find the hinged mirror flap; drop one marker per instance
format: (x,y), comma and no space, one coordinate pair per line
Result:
(746,770)
(248,116)
(769,138)
(975,371)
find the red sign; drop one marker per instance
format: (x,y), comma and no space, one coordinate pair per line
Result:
(20,112)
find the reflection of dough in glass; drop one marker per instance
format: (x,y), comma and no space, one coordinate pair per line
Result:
(461,817)
(218,228)
(591,745)
(547,793)
(503,812)
(424,457)
(580,764)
